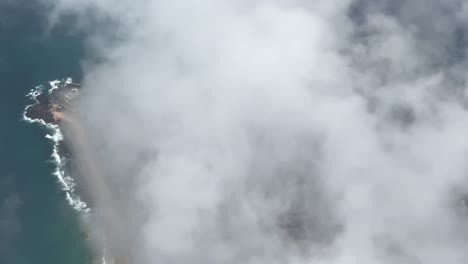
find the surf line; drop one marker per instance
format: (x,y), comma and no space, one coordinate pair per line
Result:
(56,136)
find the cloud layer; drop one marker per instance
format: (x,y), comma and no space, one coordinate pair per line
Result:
(278,131)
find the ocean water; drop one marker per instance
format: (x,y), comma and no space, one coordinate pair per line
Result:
(37,224)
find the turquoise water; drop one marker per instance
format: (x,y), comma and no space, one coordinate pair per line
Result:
(37,225)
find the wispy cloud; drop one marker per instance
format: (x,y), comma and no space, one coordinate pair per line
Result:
(279,131)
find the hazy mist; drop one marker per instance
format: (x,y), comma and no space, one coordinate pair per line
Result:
(275,131)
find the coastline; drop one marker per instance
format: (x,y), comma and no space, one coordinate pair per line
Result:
(52,108)
(36,113)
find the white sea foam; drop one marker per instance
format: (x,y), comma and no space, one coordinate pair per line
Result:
(55,84)
(33,93)
(66,181)
(103,259)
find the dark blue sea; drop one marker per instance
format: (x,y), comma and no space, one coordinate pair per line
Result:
(37,224)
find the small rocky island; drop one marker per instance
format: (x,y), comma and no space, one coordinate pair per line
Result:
(49,108)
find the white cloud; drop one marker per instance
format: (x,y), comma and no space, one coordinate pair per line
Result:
(280,134)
